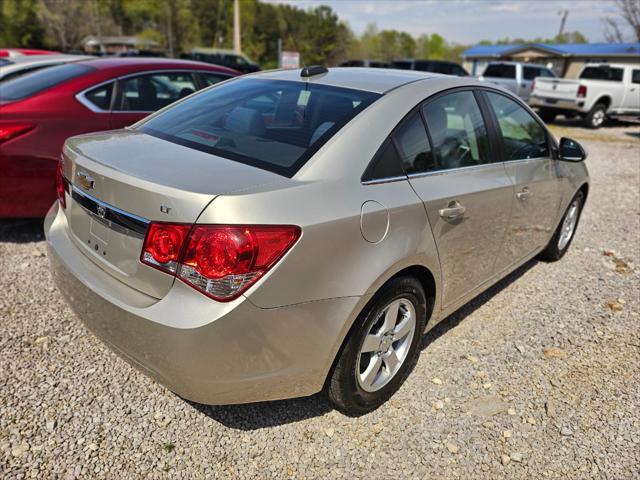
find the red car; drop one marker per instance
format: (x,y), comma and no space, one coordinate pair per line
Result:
(39,111)
(14,52)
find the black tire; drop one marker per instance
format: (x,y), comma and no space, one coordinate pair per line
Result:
(547,116)
(343,388)
(552,251)
(596,117)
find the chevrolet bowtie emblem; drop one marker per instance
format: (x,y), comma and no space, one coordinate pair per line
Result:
(85,181)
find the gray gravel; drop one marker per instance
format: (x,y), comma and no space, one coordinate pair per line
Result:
(538,378)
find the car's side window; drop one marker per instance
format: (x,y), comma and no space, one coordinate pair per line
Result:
(213,78)
(147,93)
(635,76)
(413,146)
(101,96)
(523,136)
(386,164)
(529,73)
(458,133)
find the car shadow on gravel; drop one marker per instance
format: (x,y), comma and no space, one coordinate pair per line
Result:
(254,416)
(21,230)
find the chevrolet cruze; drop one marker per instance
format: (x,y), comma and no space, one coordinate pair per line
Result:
(290,232)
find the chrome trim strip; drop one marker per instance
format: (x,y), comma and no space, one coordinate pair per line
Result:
(384,180)
(80,96)
(454,170)
(112,217)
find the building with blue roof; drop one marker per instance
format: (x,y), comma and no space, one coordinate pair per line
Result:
(566,59)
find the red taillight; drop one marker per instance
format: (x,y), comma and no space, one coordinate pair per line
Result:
(11,130)
(582,91)
(61,185)
(221,261)
(163,245)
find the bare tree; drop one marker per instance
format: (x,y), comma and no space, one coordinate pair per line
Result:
(629,11)
(66,21)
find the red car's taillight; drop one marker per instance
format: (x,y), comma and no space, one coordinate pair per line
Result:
(11,130)
(61,185)
(221,261)
(582,91)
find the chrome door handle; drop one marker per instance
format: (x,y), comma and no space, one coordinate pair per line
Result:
(453,211)
(524,194)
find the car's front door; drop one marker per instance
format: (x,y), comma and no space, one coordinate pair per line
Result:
(532,169)
(140,95)
(631,100)
(463,185)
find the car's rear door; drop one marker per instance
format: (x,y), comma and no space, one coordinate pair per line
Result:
(631,100)
(529,164)
(455,169)
(142,94)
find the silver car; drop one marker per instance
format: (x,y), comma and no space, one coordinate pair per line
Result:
(289,232)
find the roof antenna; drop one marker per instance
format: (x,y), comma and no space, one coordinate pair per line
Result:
(313,70)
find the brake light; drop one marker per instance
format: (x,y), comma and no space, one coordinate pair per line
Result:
(61,185)
(221,261)
(11,130)
(582,91)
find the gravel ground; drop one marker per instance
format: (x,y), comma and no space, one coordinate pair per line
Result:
(537,378)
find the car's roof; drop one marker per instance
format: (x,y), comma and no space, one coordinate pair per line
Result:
(378,80)
(105,63)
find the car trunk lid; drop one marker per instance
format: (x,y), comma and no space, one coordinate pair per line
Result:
(120,181)
(556,88)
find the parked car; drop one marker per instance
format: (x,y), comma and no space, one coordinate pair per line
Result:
(289,232)
(226,58)
(18,66)
(367,63)
(435,66)
(601,90)
(40,110)
(515,76)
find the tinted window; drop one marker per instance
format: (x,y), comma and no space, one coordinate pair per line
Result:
(386,164)
(544,72)
(40,80)
(523,136)
(458,70)
(275,125)
(100,96)
(602,73)
(500,71)
(635,76)
(403,65)
(458,133)
(19,73)
(213,78)
(413,146)
(147,93)
(529,73)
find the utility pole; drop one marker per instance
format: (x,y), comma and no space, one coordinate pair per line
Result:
(236,27)
(563,20)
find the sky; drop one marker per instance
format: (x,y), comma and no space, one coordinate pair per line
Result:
(469,21)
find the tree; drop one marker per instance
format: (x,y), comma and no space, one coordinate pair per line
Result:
(19,24)
(629,12)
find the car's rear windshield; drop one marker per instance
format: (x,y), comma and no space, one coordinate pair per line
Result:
(271,124)
(602,73)
(500,71)
(40,80)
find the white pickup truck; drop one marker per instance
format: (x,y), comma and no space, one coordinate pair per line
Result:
(515,76)
(600,91)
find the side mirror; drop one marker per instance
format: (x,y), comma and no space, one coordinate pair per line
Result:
(571,151)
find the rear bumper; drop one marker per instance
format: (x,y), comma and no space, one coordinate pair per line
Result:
(577,106)
(203,350)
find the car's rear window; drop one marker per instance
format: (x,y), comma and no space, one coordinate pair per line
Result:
(500,71)
(40,80)
(273,125)
(602,73)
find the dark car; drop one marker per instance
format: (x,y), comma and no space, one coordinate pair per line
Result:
(366,63)
(225,58)
(435,66)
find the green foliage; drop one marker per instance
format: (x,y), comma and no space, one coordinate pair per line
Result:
(19,24)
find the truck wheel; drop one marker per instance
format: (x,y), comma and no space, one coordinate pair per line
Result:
(547,116)
(596,116)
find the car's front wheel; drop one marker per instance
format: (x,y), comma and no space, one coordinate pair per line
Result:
(381,348)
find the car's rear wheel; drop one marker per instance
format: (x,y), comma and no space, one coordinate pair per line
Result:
(563,236)
(596,116)
(381,348)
